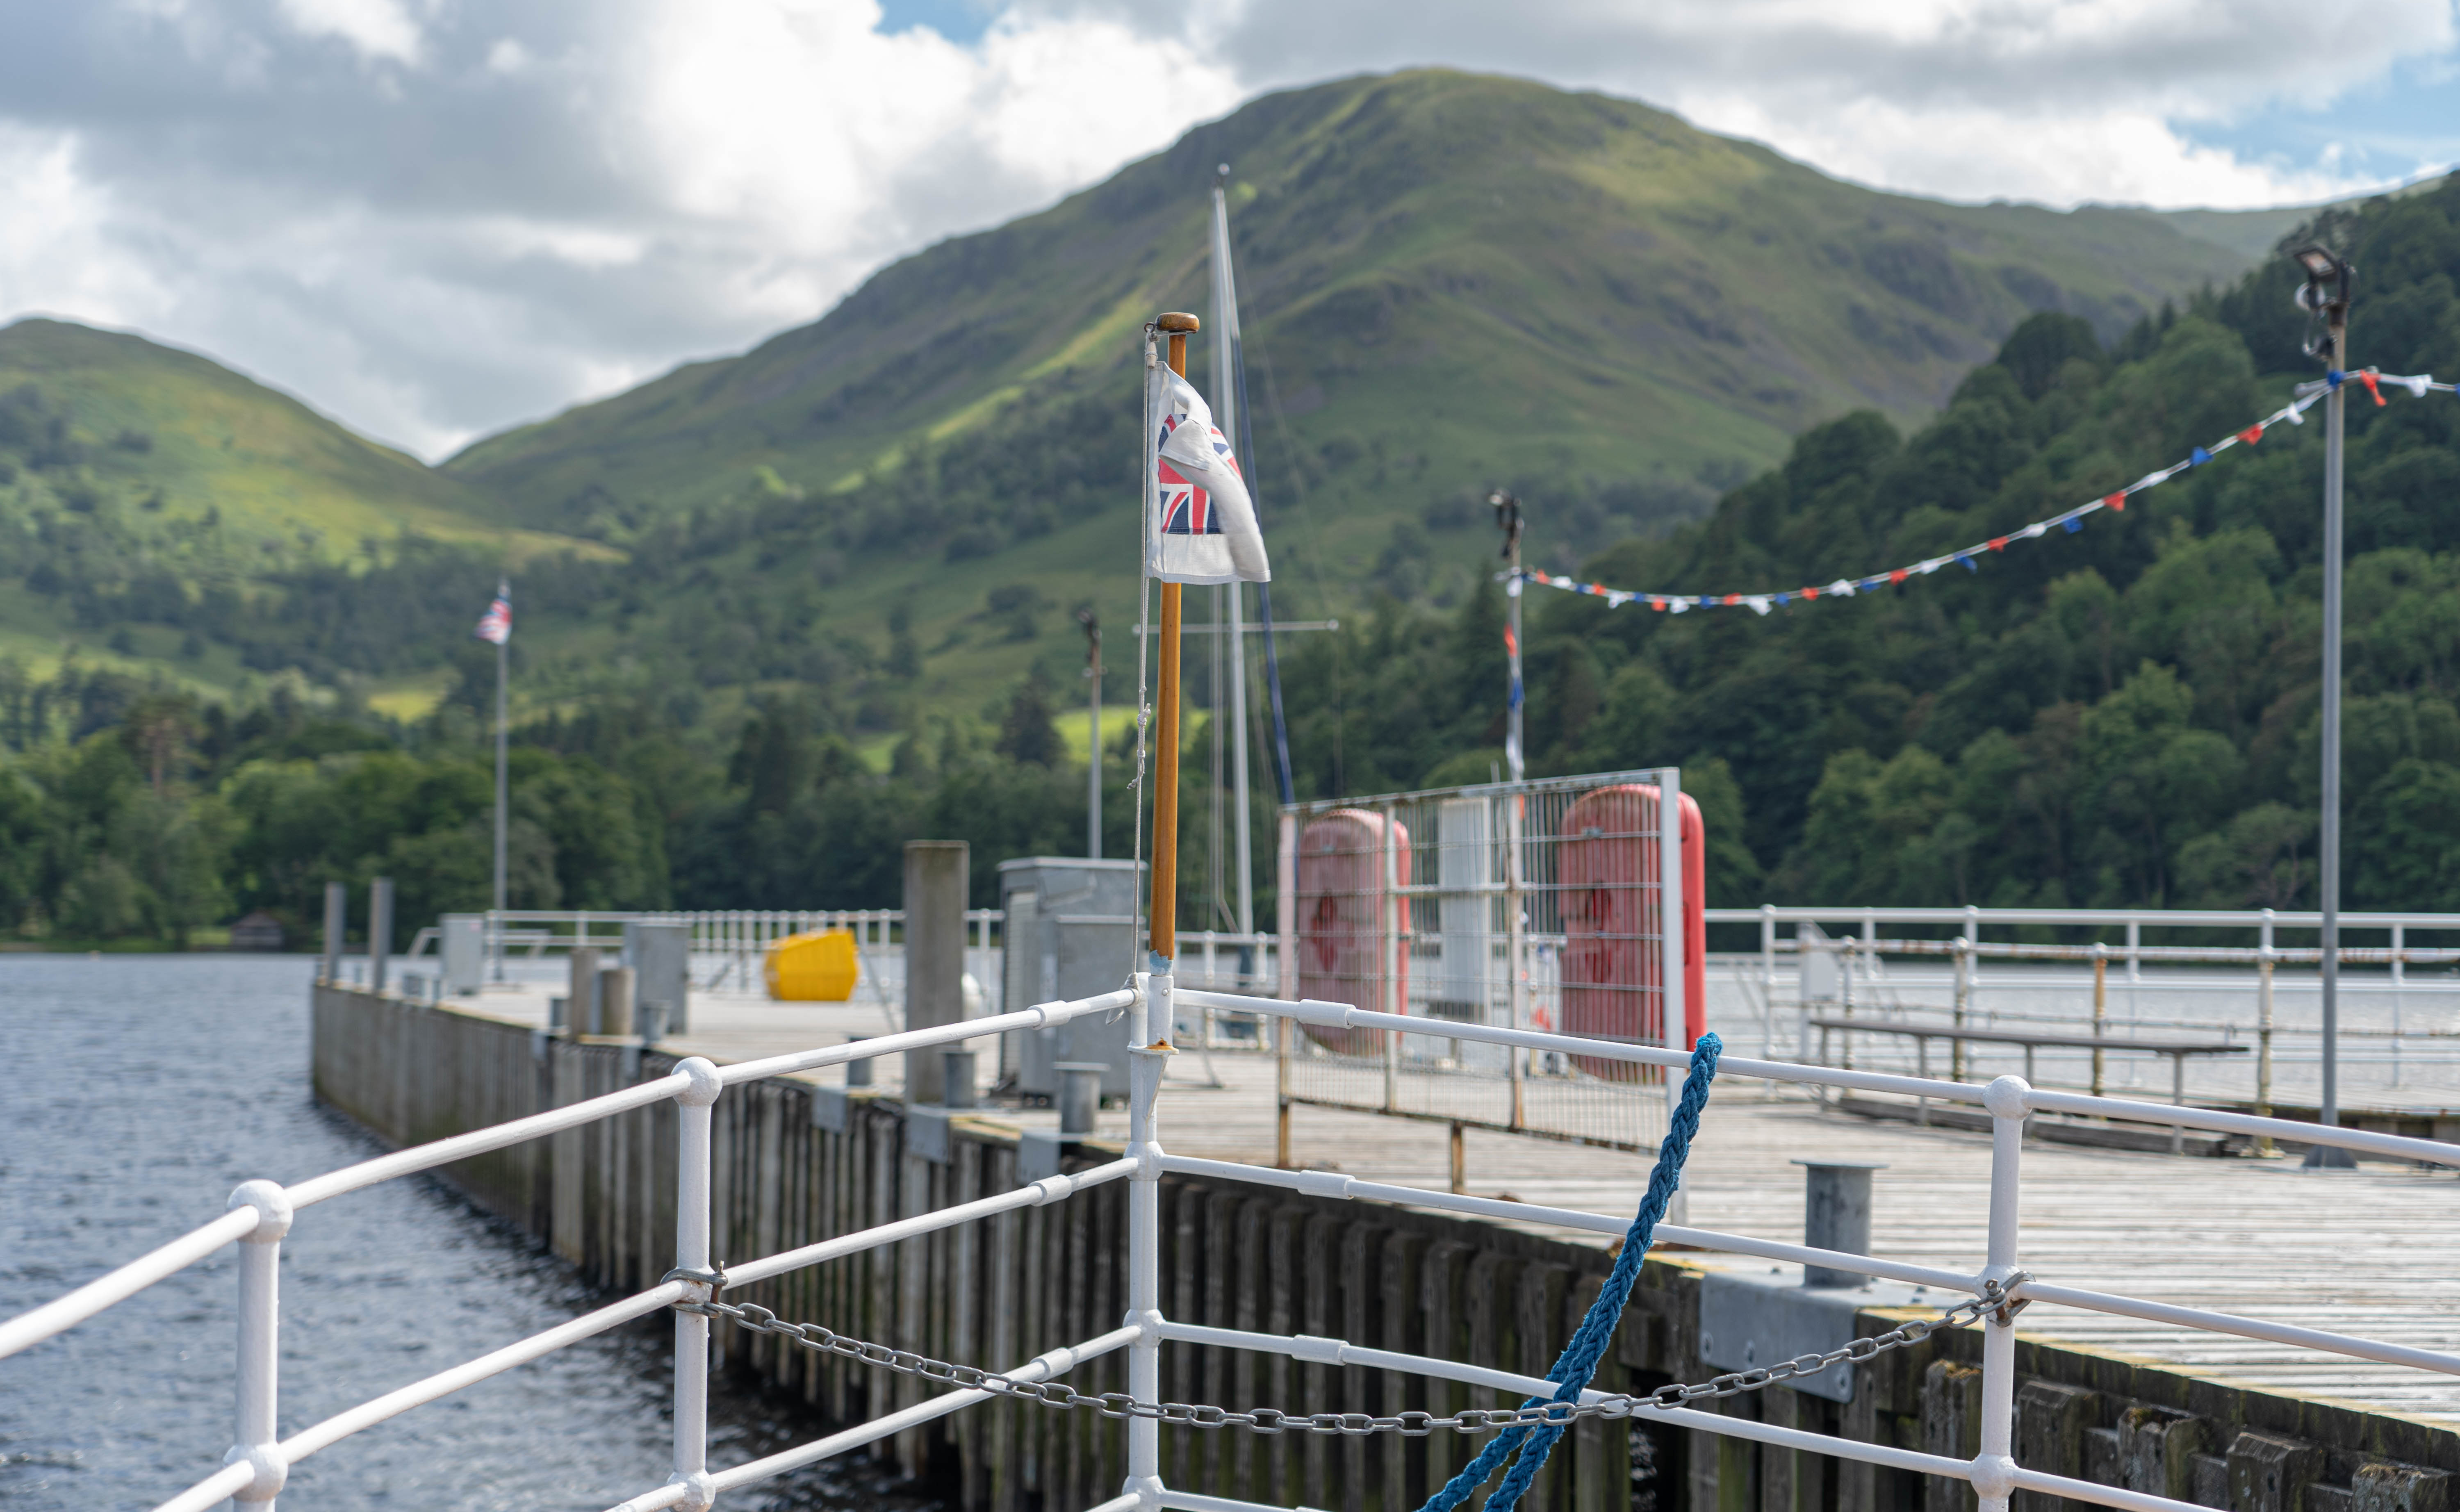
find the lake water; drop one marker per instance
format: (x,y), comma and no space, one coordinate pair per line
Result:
(139,1090)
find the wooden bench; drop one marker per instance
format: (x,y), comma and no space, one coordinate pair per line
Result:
(1958,1035)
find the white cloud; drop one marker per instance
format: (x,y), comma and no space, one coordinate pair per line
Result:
(378,28)
(533,202)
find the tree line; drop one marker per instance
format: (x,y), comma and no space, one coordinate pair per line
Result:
(2125,715)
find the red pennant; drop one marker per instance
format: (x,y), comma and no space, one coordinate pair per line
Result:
(2250,435)
(1999,544)
(1897,576)
(1658,604)
(2368,378)
(2117,501)
(1733,598)
(1810,593)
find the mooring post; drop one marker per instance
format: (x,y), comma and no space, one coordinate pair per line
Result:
(1994,1469)
(1837,1215)
(337,927)
(379,931)
(935,953)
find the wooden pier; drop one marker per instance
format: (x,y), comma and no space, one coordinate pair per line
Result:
(2365,1252)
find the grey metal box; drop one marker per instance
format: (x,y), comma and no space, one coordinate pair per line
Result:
(1070,932)
(660,956)
(461,948)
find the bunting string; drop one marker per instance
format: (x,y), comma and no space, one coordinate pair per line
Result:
(1969,557)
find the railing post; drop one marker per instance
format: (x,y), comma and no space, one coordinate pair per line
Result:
(2100,1009)
(1148,1025)
(2263,1145)
(2399,937)
(1285,973)
(1994,1468)
(1395,997)
(1768,985)
(2135,970)
(1963,1001)
(1516,987)
(1973,943)
(1674,1028)
(692,1226)
(257,1439)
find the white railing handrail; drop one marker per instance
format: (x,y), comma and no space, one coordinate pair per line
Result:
(2148,917)
(263,1212)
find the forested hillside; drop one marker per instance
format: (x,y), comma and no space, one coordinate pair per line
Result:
(2125,714)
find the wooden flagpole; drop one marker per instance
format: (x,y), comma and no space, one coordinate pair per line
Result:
(1163,941)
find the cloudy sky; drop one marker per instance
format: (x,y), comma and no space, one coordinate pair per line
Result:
(436,218)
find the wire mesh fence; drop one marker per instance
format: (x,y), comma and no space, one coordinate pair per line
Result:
(1536,905)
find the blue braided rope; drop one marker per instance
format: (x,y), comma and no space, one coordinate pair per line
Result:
(1579,1361)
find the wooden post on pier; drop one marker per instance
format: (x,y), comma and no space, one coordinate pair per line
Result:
(1165,936)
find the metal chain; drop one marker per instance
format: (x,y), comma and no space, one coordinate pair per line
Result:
(1414,1425)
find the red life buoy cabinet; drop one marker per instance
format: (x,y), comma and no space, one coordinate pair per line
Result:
(1614,969)
(1342,904)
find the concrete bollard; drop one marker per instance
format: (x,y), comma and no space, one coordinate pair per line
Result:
(379,931)
(580,1009)
(935,881)
(615,1000)
(337,927)
(1837,1215)
(1080,1094)
(956,1079)
(858,1071)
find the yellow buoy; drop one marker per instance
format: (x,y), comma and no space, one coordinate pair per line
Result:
(815,968)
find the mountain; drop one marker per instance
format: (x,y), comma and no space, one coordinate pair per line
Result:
(1454,279)
(130,471)
(1451,282)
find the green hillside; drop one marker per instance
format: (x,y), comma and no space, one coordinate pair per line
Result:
(149,494)
(1450,282)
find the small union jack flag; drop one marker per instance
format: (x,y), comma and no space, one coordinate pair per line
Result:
(1187,508)
(1204,526)
(496,626)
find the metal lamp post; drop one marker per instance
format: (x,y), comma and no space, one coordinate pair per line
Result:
(2325,296)
(1507,518)
(1092,733)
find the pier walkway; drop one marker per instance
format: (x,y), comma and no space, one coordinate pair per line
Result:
(2363,1252)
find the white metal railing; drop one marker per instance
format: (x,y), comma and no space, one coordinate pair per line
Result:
(262,1213)
(2397,1039)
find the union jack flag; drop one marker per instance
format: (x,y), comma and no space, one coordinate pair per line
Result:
(496,626)
(1187,508)
(1205,522)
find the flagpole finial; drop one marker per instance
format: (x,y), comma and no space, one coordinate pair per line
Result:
(1179,324)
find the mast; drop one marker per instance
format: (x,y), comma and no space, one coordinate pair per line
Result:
(1226,397)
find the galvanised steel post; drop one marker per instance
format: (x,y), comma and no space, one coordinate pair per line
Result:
(1767,985)
(1994,1468)
(1395,995)
(257,1439)
(1675,1031)
(1149,1024)
(692,1107)
(1515,984)
(1285,973)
